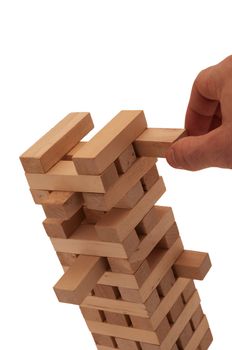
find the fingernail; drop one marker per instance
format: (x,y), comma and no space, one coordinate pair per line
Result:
(171,158)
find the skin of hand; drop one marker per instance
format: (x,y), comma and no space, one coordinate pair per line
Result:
(208,122)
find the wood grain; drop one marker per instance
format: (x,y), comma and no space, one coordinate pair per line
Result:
(154,142)
(51,147)
(79,280)
(63,177)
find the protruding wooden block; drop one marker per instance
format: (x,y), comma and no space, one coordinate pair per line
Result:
(62,205)
(107,145)
(194,265)
(125,160)
(61,228)
(80,279)
(50,148)
(154,142)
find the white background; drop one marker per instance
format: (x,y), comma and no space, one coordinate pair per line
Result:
(103,56)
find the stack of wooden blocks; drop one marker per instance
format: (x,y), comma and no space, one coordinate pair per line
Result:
(122,255)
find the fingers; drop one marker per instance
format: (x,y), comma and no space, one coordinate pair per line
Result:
(198,152)
(203,103)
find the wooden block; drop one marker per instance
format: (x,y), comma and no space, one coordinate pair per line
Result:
(194,265)
(124,344)
(106,291)
(185,337)
(147,223)
(170,237)
(134,296)
(117,279)
(111,293)
(92,315)
(163,329)
(104,340)
(128,333)
(145,346)
(197,317)
(107,145)
(40,196)
(62,205)
(63,177)
(123,266)
(176,310)
(70,154)
(181,323)
(206,341)
(150,178)
(50,148)
(188,292)
(58,228)
(160,262)
(125,160)
(168,301)
(93,216)
(66,259)
(116,305)
(166,283)
(85,241)
(117,192)
(116,224)
(163,220)
(201,338)
(131,243)
(132,197)
(132,280)
(103,347)
(154,142)
(80,279)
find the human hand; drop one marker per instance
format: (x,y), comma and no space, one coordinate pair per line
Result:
(208,122)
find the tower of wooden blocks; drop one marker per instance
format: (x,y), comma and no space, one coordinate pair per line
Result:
(122,255)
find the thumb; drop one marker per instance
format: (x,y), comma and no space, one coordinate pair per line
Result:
(199,152)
